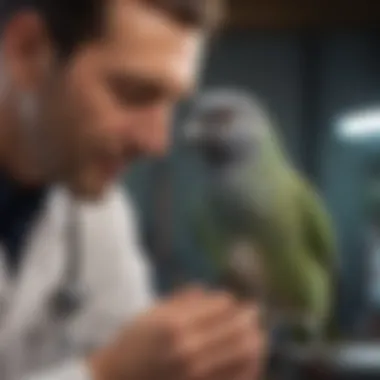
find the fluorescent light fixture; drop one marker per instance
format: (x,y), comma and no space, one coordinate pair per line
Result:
(360,124)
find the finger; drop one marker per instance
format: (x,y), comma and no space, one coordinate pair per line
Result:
(184,298)
(232,327)
(188,293)
(220,333)
(192,323)
(255,367)
(224,363)
(171,310)
(235,355)
(260,354)
(238,372)
(260,318)
(261,346)
(249,372)
(206,311)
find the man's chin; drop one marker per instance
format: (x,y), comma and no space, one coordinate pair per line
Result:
(90,191)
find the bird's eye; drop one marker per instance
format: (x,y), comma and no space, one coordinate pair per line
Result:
(217,117)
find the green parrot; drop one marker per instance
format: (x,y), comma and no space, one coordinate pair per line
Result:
(260,221)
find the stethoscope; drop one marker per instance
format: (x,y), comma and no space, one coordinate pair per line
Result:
(65,301)
(70,295)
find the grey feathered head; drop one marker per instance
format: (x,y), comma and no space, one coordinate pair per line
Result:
(226,125)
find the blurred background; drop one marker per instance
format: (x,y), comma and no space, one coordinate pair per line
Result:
(316,66)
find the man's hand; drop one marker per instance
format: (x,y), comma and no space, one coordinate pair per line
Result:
(195,335)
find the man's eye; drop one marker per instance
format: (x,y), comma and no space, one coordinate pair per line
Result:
(133,94)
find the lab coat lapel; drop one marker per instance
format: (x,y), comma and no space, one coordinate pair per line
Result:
(4,286)
(43,264)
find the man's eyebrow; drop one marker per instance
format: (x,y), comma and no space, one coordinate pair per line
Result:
(149,83)
(137,80)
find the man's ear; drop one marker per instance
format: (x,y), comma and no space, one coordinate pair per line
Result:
(26,50)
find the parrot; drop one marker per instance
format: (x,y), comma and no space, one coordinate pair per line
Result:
(259,220)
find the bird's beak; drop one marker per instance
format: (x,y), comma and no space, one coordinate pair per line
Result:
(192,134)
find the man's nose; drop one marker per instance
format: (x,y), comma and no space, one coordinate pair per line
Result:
(156,134)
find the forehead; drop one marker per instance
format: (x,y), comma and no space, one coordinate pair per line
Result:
(146,41)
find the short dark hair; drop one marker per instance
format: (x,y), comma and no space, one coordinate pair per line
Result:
(72,22)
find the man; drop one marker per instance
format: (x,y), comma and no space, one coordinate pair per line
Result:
(87,87)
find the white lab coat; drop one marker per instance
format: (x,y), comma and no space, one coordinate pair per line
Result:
(114,274)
